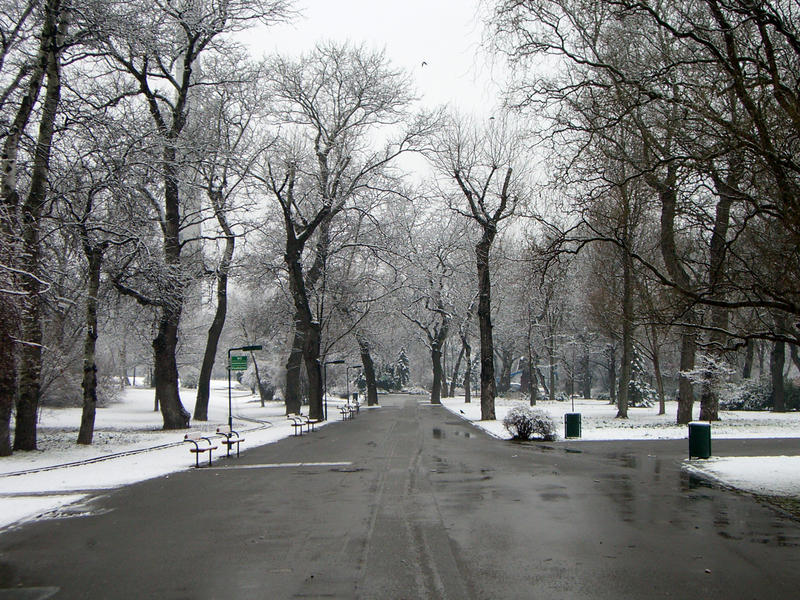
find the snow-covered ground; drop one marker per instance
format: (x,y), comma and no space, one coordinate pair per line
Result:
(769,475)
(33,483)
(130,446)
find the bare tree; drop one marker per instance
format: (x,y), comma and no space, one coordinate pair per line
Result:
(481,161)
(329,103)
(159,45)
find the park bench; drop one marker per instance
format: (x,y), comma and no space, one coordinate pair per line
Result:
(299,421)
(348,411)
(201,444)
(231,437)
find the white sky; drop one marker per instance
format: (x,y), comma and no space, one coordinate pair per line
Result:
(446,34)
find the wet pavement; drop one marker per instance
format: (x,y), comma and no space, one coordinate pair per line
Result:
(408,501)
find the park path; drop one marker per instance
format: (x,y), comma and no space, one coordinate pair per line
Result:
(407,501)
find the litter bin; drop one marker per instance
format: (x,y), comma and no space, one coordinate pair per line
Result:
(699,439)
(572,425)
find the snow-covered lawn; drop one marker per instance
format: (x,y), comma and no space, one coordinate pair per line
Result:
(765,475)
(32,483)
(598,422)
(768,475)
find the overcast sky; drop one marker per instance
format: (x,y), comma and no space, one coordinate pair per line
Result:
(445,34)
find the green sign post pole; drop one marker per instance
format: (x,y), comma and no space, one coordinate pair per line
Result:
(236,363)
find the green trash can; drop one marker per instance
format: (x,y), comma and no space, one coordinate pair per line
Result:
(572,425)
(699,439)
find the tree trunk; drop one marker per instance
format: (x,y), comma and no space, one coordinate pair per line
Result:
(94,257)
(612,373)
(369,371)
(488,389)
(165,371)
(685,392)
(311,359)
(525,375)
(294,364)
(668,197)
(453,379)
(777,361)
(551,357)
(627,336)
(709,402)
(587,376)
(662,409)
(265,392)
(504,381)
(30,363)
(214,332)
(8,381)
(467,371)
(747,370)
(436,388)
(122,367)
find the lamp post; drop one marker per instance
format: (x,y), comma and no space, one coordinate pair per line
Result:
(325,378)
(238,367)
(348,378)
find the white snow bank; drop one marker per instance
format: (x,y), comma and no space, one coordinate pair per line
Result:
(598,420)
(767,475)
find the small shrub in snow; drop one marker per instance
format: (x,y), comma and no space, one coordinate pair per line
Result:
(524,423)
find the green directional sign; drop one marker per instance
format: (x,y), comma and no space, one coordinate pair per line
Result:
(238,363)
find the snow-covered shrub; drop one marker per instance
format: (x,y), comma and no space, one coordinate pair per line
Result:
(524,423)
(750,394)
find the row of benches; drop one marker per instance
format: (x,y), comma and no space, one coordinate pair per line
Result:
(348,411)
(204,443)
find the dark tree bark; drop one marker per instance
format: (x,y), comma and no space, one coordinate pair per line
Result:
(504,381)
(668,196)
(94,257)
(7,375)
(747,369)
(467,371)
(777,361)
(30,361)
(488,386)
(627,318)
(369,370)
(587,376)
(611,369)
(662,409)
(456,369)
(726,193)
(215,330)
(294,364)
(436,361)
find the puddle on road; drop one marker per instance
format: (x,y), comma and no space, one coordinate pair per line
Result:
(439,433)
(644,492)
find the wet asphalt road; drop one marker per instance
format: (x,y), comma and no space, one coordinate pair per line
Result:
(415,503)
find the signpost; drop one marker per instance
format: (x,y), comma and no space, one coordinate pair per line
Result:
(236,363)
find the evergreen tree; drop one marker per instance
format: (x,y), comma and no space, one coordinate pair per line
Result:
(402,370)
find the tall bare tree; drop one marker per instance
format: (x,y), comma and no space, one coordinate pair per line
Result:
(481,161)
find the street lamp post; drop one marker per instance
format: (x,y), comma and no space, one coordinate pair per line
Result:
(325,379)
(243,349)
